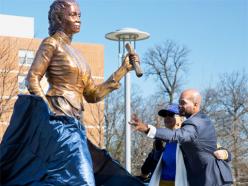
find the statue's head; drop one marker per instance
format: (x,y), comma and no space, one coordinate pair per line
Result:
(64,15)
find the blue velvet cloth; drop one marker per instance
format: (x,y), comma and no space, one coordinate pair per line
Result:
(169,162)
(42,149)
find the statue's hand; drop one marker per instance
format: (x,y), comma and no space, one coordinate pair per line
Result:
(127,65)
(128,61)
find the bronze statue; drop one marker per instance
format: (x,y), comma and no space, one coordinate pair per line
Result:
(68,73)
(49,148)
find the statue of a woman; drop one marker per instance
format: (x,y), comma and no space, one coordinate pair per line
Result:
(50,147)
(68,73)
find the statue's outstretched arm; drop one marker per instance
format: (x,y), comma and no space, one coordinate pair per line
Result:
(94,93)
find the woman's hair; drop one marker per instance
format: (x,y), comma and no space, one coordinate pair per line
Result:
(55,14)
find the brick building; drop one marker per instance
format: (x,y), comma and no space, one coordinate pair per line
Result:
(17,51)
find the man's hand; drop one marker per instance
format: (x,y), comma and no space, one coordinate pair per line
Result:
(138,124)
(221,154)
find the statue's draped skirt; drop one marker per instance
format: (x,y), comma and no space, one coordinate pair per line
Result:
(42,149)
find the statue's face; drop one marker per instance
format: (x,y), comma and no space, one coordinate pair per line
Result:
(71,22)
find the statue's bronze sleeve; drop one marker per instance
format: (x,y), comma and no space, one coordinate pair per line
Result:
(39,67)
(94,93)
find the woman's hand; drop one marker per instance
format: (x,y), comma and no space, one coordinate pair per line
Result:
(221,154)
(128,61)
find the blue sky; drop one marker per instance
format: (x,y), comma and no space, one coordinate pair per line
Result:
(215,31)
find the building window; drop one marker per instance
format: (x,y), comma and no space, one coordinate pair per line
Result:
(21,84)
(26,57)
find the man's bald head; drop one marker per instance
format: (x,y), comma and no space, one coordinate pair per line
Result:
(190,102)
(193,95)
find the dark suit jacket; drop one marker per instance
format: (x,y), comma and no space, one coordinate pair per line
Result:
(198,142)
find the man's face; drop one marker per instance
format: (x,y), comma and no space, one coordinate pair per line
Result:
(71,22)
(186,106)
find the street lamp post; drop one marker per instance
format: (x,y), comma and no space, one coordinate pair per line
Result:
(123,36)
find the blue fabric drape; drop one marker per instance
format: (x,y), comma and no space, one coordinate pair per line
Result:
(41,149)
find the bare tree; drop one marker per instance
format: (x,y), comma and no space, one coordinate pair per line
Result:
(114,124)
(165,63)
(227,104)
(10,70)
(95,122)
(147,110)
(8,75)
(210,102)
(233,97)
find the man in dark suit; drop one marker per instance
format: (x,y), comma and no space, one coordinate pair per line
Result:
(197,139)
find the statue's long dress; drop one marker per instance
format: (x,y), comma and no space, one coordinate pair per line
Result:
(40,148)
